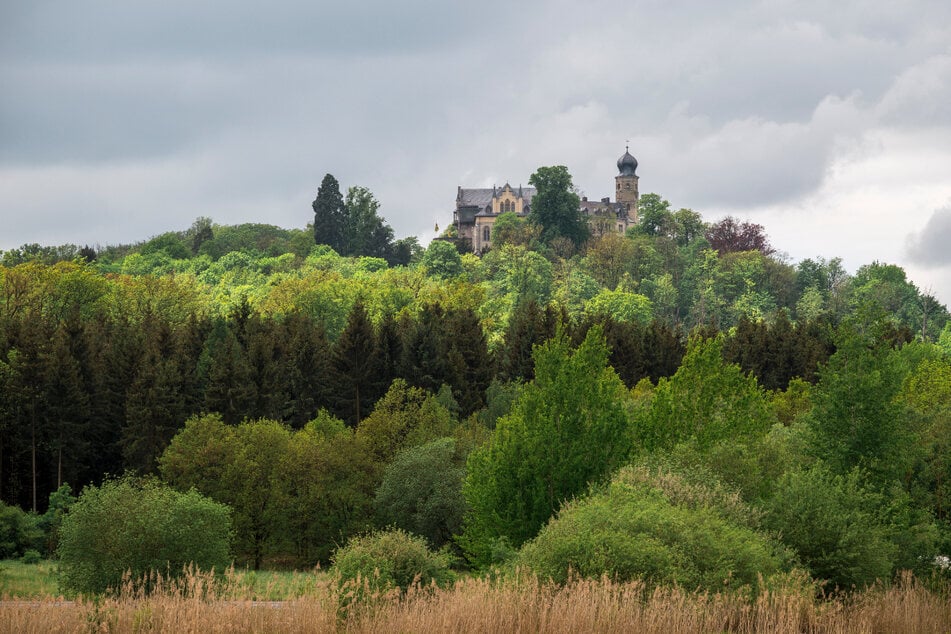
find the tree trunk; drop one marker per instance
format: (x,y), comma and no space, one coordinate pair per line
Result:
(33,454)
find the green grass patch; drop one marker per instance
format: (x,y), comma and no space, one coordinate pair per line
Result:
(28,581)
(40,580)
(276,585)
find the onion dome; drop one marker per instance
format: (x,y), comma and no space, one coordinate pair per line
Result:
(627,164)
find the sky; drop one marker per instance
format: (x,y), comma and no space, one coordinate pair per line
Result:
(829,123)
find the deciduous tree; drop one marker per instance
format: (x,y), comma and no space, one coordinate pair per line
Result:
(566,429)
(556,206)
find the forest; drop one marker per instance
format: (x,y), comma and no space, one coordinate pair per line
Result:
(681,403)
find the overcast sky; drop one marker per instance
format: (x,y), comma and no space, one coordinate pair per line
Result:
(827,122)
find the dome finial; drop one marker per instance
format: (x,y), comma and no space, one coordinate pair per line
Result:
(627,164)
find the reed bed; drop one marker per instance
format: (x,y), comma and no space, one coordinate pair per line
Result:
(199,603)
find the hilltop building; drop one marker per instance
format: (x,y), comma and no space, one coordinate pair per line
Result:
(477,209)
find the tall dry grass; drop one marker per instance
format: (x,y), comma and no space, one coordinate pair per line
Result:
(201,605)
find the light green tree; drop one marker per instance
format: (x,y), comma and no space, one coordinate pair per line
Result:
(622,306)
(706,401)
(567,428)
(442,260)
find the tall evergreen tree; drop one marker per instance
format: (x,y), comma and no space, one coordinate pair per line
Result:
(268,359)
(28,378)
(308,368)
(111,360)
(329,214)
(355,364)
(65,406)
(425,350)
(389,341)
(155,408)
(469,367)
(229,384)
(528,325)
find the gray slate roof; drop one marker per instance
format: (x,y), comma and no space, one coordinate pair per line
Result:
(480,197)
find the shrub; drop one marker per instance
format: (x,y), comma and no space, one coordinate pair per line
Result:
(836,526)
(385,560)
(31,556)
(138,526)
(662,527)
(18,531)
(60,501)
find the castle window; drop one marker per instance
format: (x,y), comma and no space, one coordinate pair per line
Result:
(485,234)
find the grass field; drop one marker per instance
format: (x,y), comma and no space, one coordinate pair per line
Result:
(27,581)
(38,581)
(483,605)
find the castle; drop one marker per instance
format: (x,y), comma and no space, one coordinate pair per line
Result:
(477,209)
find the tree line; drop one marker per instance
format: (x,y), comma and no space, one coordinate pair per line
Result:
(93,387)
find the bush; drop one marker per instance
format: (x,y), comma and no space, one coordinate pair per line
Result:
(662,527)
(31,556)
(18,531)
(60,501)
(838,528)
(390,559)
(137,526)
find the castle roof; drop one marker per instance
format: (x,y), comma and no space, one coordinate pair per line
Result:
(482,197)
(627,164)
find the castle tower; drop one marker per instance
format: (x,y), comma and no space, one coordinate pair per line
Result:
(626,184)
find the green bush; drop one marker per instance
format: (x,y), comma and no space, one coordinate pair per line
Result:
(18,531)
(390,559)
(839,529)
(60,501)
(137,526)
(663,527)
(31,556)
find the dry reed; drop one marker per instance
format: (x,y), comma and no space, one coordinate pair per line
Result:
(198,603)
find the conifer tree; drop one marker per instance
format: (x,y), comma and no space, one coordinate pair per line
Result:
(469,366)
(329,214)
(528,325)
(65,405)
(229,385)
(389,341)
(308,368)
(268,359)
(425,350)
(355,364)
(111,360)
(155,408)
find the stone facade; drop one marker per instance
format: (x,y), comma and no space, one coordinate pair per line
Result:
(477,209)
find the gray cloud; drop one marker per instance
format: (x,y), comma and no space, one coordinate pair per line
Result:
(120,120)
(931,247)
